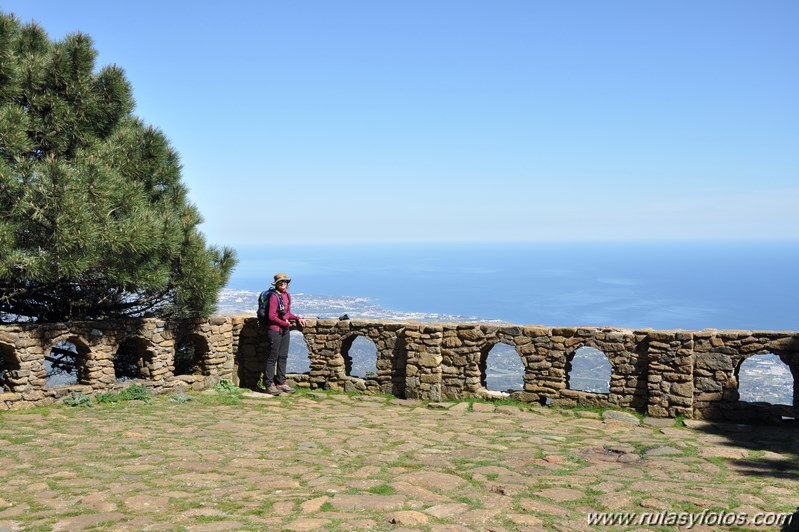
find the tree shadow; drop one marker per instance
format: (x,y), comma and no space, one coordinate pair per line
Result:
(774,447)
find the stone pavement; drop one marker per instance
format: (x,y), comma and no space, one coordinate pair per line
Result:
(319,461)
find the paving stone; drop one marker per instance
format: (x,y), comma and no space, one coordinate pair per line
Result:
(621,417)
(216,526)
(447,510)
(723,452)
(413,491)
(697,424)
(433,480)
(658,422)
(80,522)
(407,517)
(614,501)
(367,502)
(359,524)
(663,451)
(560,494)
(314,505)
(259,395)
(147,503)
(283,507)
(508,410)
(459,408)
(449,528)
(655,504)
(525,519)
(776,490)
(98,502)
(299,525)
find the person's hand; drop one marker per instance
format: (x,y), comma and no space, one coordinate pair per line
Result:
(303,322)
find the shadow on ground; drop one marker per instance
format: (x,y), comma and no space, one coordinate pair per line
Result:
(774,447)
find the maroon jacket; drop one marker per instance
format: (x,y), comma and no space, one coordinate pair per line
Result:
(275,322)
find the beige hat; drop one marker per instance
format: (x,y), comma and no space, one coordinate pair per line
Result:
(281,277)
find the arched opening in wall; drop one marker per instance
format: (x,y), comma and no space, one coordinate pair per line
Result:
(765,378)
(298,361)
(65,365)
(8,365)
(588,371)
(191,351)
(360,357)
(501,369)
(133,360)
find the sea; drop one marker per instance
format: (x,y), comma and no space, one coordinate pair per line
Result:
(689,285)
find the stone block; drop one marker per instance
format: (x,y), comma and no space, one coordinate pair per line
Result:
(682,389)
(452,341)
(560,332)
(471,334)
(429,360)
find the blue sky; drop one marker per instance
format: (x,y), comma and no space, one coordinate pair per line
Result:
(369,121)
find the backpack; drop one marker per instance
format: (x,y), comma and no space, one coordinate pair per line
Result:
(263,305)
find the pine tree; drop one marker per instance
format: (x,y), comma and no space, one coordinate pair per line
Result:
(94,219)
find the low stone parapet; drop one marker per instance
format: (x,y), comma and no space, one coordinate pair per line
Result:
(693,374)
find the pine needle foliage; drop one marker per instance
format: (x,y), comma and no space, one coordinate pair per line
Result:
(95,221)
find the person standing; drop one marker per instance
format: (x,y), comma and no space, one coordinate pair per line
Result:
(278,314)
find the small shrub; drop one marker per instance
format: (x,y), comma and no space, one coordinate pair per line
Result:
(228,393)
(78,399)
(135,392)
(180,398)
(227,387)
(107,397)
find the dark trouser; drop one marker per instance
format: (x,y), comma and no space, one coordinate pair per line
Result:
(278,355)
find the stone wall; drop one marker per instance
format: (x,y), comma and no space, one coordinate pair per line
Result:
(661,373)
(152,342)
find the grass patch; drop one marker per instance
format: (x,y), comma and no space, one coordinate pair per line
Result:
(18,440)
(495,402)
(689,450)
(181,505)
(594,409)
(382,489)
(210,518)
(471,503)
(576,459)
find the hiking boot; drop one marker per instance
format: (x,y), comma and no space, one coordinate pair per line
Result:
(273,390)
(285,388)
